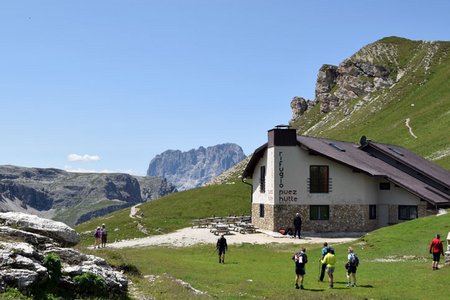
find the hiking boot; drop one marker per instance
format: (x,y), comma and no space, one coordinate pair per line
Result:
(348,284)
(354,285)
(296,286)
(301,287)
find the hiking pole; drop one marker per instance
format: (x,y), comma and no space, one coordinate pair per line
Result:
(320,271)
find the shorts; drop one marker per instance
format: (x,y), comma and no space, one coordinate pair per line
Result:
(221,251)
(351,269)
(436,256)
(329,270)
(300,271)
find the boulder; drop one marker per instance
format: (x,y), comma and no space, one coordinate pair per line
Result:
(24,247)
(58,231)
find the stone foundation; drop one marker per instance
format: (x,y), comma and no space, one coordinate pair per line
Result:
(343,218)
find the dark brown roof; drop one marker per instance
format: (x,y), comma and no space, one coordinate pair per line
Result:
(414,162)
(351,155)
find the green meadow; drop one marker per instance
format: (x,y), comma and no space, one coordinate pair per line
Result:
(394,261)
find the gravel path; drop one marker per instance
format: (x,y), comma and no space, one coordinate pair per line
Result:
(192,236)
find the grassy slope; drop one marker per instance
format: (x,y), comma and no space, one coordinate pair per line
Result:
(395,264)
(174,211)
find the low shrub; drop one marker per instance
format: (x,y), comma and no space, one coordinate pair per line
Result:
(53,264)
(90,284)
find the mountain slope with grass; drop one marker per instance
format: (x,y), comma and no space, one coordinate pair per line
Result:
(173,212)
(393,91)
(74,197)
(394,261)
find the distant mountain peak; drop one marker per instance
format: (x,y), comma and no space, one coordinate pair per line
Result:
(194,168)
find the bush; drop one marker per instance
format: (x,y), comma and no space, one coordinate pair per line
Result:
(53,264)
(90,284)
(13,294)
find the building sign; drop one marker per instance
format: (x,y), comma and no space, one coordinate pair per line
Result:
(285,195)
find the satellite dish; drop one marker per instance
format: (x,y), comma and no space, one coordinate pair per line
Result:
(363,141)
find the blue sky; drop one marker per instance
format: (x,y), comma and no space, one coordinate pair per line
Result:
(107,85)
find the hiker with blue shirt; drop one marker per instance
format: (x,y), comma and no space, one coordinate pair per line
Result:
(351,266)
(324,266)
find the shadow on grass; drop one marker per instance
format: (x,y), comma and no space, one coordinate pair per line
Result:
(359,286)
(314,290)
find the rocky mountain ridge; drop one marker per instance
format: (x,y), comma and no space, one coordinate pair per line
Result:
(194,168)
(74,197)
(394,91)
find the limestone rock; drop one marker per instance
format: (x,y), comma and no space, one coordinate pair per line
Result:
(24,247)
(356,77)
(58,231)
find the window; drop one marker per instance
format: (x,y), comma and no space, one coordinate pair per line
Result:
(318,179)
(407,212)
(261,210)
(262,180)
(319,212)
(385,186)
(372,212)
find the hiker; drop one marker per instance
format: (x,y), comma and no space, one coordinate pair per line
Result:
(221,247)
(300,260)
(351,266)
(104,235)
(97,236)
(324,266)
(329,260)
(437,250)
(297,225)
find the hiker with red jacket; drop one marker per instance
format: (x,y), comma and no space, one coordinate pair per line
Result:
(437,250)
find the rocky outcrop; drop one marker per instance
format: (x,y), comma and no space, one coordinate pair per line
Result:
(362,74)
(25,240)
(299,106)
(58,231)
(187,170)
(60,195)
(351,79)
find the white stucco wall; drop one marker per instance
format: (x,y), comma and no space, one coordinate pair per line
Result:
(267,197)
(287,173)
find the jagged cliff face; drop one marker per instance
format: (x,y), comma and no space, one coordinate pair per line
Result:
(74,197)
(350,80)
(394,90)
(187,170)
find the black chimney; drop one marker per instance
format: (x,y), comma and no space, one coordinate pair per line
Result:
(282,135)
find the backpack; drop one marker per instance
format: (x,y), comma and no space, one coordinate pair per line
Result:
(354,260)
(300,258)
